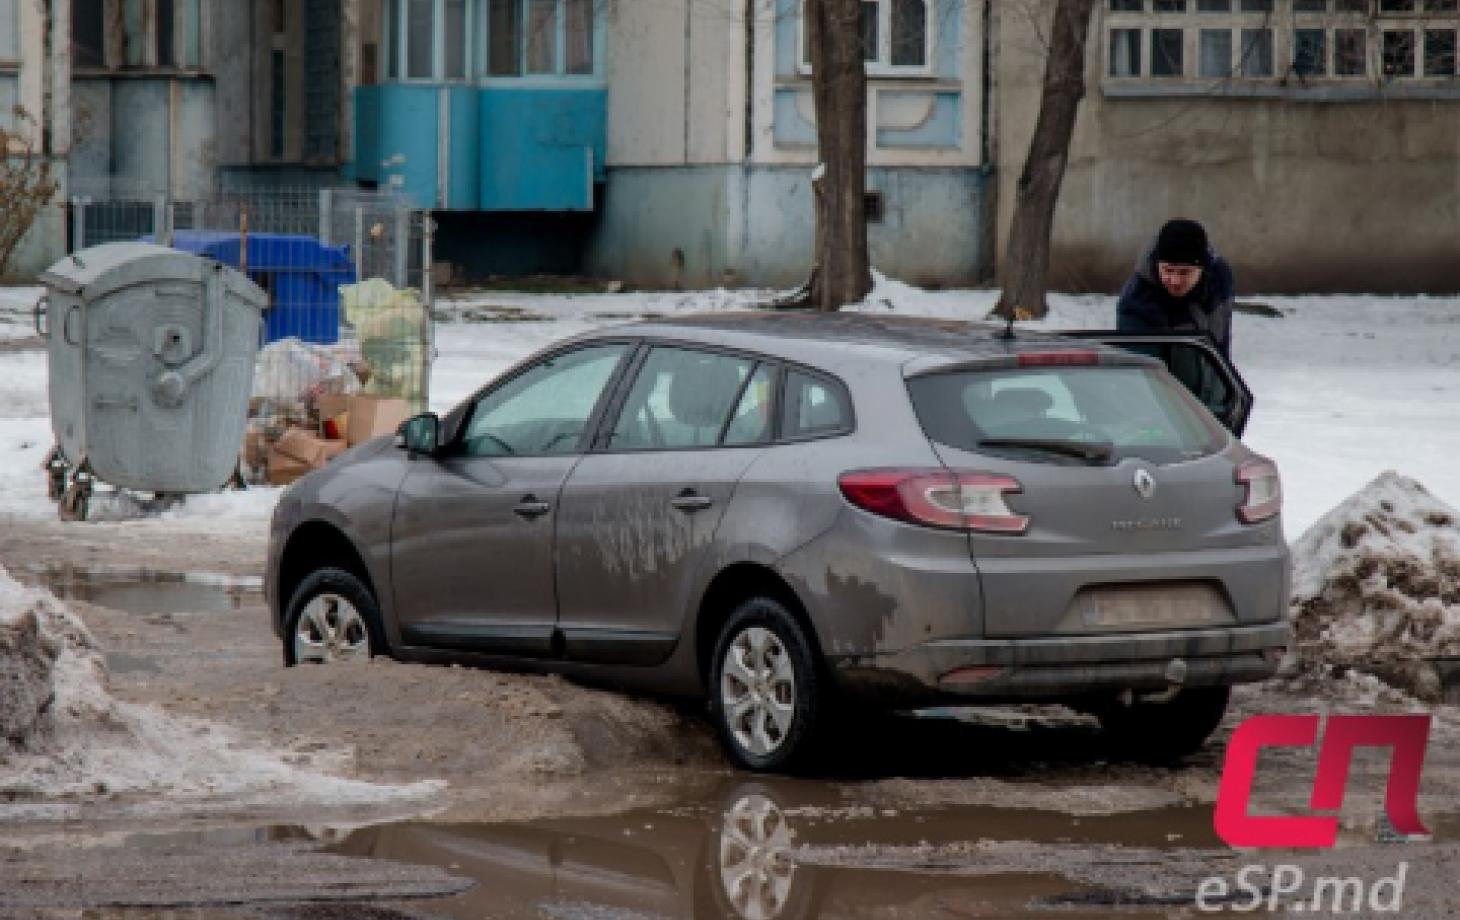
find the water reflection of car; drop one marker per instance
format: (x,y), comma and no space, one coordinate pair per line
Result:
(737,860)
(788,513)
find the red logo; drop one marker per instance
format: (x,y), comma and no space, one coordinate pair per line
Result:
(1406,734)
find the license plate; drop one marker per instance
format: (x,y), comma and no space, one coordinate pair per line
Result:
(1145,606)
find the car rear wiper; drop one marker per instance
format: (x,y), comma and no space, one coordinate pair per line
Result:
(1086,450)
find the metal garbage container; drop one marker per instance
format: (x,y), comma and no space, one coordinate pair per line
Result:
(151,363)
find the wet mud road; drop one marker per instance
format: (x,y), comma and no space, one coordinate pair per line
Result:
(555,800)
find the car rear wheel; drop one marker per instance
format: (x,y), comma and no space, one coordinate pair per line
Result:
(1163,732)
(765,692)
(332,617)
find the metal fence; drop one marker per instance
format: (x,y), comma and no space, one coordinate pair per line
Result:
(348,272)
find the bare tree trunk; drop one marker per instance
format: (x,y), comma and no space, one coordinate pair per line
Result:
(841,273)
(1026,265)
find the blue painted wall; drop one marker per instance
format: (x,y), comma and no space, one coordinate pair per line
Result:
(542,149)
(509,148)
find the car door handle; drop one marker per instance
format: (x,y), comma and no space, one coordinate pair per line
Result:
(691,501)
(530,508)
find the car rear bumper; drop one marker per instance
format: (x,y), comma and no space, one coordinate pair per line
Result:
(1068,666)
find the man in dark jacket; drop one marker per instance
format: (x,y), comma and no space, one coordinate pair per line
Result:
(1180,285)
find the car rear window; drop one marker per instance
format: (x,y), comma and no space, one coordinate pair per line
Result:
(1135,411)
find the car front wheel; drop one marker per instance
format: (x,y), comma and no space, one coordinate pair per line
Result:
(766,697)
(332,617)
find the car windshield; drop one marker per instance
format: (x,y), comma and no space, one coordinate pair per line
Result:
(1098,414)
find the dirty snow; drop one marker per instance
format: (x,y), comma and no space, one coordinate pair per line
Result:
(1376,586)
(68,742)
(1346,386)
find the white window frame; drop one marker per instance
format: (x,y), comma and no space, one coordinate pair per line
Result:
(881,66)
(400,30)
(1284,22)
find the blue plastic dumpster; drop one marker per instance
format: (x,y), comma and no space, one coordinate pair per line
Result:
(301,275)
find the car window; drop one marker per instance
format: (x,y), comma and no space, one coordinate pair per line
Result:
(751,421)
(680,398)
(1139,411)
(1196,369)
(544,409)
(813,406)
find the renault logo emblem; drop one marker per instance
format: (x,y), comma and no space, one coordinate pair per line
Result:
(1145,484)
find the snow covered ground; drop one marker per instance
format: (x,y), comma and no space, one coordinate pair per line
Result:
(1346,386)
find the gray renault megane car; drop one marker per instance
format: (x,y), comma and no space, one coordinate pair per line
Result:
(799,516)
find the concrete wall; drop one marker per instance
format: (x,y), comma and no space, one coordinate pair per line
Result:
(46,240)
(1299,194)
(232,62)
(143,136)
(675,71)
(733,225)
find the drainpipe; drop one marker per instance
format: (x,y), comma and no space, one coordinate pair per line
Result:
(749,79)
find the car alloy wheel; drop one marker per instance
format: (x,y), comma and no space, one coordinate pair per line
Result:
(332,617)
(765,688)
(758,691)
(330,629)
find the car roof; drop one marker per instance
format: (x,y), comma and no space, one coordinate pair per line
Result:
(836,339)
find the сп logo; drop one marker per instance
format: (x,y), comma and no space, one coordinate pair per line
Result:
(1406,734)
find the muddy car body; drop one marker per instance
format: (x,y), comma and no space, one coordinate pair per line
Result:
(777,511)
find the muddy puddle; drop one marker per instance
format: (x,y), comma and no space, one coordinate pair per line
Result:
(146,592)
(753,850)
(769,849)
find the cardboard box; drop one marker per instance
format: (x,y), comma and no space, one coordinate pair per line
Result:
(331,405)
(283,470)
(297,452)
(372,416)
(255,448)
(301,445)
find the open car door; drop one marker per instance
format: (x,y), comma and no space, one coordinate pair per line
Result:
(1193,360)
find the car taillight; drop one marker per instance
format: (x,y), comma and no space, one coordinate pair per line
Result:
(1263,496)
(938,498)
(1067,358)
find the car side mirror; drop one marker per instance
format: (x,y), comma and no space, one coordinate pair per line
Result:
(420,434)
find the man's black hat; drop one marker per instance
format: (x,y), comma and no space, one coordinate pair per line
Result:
(1183,242)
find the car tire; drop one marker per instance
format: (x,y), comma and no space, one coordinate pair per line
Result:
(781,697)
(1165,732)
(332,617)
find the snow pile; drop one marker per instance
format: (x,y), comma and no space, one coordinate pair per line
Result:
(63,737)
(1376,588)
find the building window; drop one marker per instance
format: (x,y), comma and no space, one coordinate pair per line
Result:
(1351,53)
(1310,52)
(160,33)
(1216,53)
(897,37)
(9,97)
(1257,53)
(166,26)
(541,38)
(1277,40)
(9,31)
(427,39)
(462,39)
(276,105)
(88,34)
(1439,52)
(1399,53)
(1166,47)
(1125,52)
